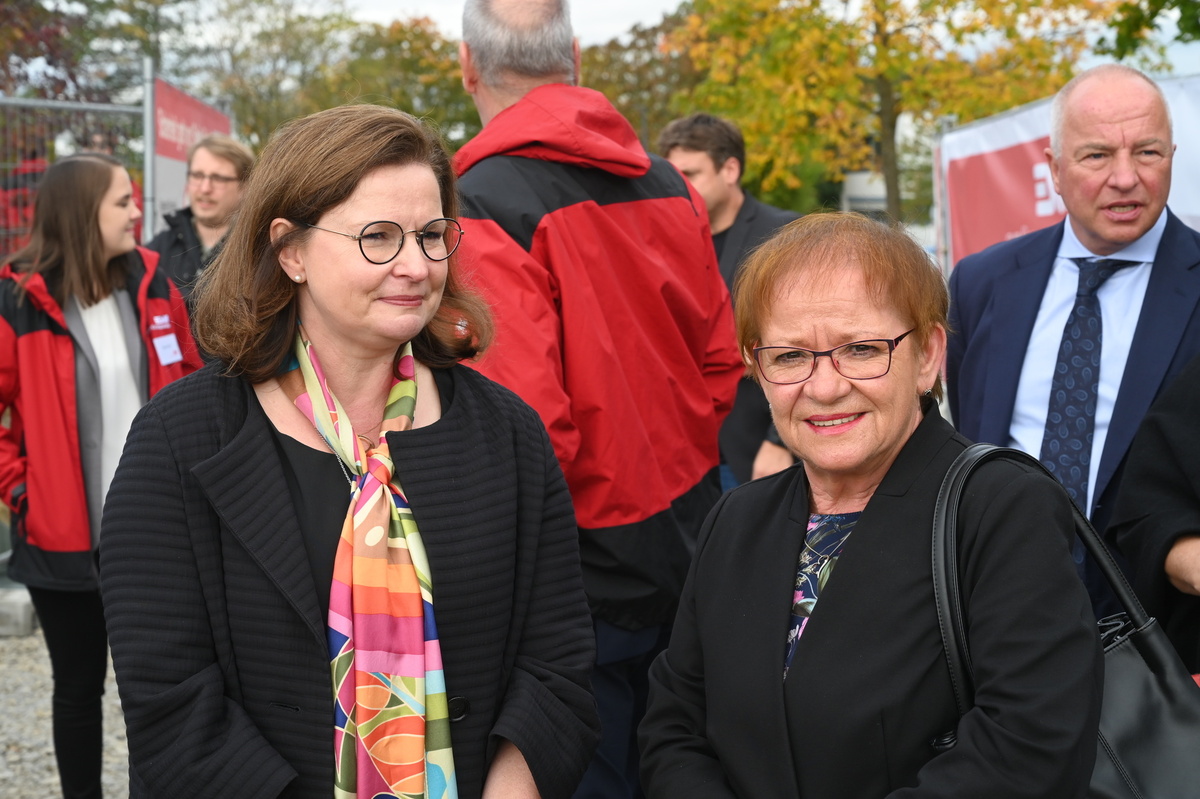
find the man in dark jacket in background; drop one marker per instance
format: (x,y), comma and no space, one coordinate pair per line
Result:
(612,321)
(218,167)
(711,153)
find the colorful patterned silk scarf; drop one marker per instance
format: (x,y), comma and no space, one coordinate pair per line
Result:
(392,726)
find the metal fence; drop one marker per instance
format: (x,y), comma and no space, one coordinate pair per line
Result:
(35,133)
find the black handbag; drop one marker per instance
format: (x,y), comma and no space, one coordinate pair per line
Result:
(1149,741)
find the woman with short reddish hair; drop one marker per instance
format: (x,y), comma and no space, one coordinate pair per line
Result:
(806,657)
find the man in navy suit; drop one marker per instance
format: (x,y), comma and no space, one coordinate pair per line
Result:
(1110,156)
(711,154)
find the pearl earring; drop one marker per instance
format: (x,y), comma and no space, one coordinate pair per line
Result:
(299,279)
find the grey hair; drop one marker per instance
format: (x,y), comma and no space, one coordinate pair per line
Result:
(530,38)
(1058,106)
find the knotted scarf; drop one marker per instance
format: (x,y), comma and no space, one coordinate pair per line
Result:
(392,727)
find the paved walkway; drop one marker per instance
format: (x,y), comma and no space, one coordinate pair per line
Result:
(27,768)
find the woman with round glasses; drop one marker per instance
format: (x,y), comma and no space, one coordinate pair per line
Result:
(806,658)
(338,563)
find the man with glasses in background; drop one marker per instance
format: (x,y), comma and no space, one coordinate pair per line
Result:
(218,168)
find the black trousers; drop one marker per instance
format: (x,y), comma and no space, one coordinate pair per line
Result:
(73,623)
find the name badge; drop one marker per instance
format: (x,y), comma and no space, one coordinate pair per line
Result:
(168,349)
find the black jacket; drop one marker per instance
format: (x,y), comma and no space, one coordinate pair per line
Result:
(869,689)
(181,250)
(218,642)
(1159,503)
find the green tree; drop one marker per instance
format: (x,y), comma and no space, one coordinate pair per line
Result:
(407,64)
(119,33)
(264,55)
(1135,20)
(652,81)
(916,179)
(822,82)
(93,49)
(642,76)
(40,58)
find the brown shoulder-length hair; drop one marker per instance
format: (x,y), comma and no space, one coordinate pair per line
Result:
(65,243)
(246,308)
(898,273)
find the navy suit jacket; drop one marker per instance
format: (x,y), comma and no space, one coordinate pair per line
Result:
(994,301)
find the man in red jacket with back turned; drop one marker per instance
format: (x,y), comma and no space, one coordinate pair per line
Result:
(612,321)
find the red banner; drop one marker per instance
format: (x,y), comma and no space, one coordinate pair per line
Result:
(181,120)
(1000,195)
(994,183)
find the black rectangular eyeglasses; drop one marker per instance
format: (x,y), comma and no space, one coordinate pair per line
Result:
(858,360)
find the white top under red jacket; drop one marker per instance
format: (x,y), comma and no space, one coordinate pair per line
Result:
(48,415)
(613,322)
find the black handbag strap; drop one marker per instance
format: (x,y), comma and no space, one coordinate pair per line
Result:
(945,563)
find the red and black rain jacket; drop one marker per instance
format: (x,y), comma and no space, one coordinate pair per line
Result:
(41,473)
(613,322)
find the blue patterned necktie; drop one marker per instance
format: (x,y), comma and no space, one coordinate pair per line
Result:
(1071,415)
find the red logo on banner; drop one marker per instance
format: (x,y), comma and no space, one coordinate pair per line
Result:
(1000,195)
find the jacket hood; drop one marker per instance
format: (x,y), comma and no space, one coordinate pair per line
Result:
(561,123)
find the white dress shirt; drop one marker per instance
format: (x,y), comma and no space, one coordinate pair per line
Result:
(1120,305)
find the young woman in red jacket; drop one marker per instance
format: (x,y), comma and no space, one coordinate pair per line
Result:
(89,330)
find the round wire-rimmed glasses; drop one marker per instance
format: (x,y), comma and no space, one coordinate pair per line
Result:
(859,360)
(382,241)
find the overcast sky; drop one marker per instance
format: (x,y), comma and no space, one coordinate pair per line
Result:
(595,21)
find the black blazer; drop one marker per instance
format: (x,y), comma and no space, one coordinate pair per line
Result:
(755,223)
(1159,503)
(219,646)
(869,689)
(746,426)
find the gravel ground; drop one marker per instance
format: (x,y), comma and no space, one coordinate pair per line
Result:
(27,769)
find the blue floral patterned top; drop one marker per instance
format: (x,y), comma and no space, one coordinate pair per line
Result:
(823,543)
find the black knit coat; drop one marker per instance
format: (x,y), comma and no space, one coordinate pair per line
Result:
(218,643)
